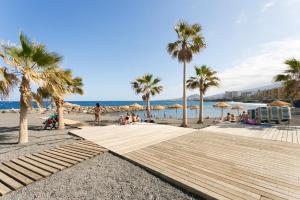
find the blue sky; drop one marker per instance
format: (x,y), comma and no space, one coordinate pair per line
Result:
(109,43)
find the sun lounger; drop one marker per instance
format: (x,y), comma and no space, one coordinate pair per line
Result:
(274,114)
(262,114)
(285,114)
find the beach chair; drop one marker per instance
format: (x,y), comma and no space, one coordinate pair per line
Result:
(274,114)
(285,114)
(262,114)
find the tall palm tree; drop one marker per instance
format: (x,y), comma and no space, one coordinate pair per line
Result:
(204,79)
(148,86)
(189,41)
(7,82)
(290,79)
(28,61)
(59,84)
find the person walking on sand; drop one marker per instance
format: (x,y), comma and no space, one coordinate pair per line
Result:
(97,114)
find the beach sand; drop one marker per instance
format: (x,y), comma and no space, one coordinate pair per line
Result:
(103,177)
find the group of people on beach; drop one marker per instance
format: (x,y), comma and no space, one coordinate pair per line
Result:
(129,118)
(240,118)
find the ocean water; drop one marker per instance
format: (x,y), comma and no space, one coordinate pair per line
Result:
(209,110)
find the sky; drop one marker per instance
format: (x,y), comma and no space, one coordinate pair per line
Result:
(110,43)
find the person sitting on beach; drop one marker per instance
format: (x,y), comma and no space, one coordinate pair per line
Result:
(51,121)
(122,120)
(133,117)
(227,118)
(232,118)
(126,120)
(244,117)
(138,119)
(97,114)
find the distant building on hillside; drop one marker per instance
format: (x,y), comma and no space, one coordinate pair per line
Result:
(232,94)
(247,93)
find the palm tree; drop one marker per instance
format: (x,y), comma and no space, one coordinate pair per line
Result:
(290,79)
(7,82)
(204,79)
(28,61)
(189,41)
(59,83)
(148,86)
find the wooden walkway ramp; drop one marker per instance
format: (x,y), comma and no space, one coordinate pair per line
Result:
(283,133)
(212,165)
(124,139)
(24,170)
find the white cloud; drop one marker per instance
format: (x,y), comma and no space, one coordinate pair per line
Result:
(241,18)
(259,69)
(267,5)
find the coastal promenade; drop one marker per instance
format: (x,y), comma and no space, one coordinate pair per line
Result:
(210,164)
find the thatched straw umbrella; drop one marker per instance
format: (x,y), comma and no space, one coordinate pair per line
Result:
(195,108)
(176,106)
(237,107)
(279,103)
(158,108)
(221,105)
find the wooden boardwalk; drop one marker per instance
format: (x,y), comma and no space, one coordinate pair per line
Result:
(282,133)
(24,170)
(212,165)
(124,139)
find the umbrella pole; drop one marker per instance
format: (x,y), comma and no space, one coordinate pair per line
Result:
(222,113)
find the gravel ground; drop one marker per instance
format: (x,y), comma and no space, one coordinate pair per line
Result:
(103,177)
(39,139)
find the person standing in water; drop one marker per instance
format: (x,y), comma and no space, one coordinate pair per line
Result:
(97,114)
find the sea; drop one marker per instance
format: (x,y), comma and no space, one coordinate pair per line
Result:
(209,110)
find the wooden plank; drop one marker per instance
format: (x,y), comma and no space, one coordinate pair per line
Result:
(15,175)
(72,153)
(48,158)
(22,170)
(46,162)
(32,168)
(87,149)
(38,164)
(60,158)
(77,151)
(9,182)
(4,189)
(64,155)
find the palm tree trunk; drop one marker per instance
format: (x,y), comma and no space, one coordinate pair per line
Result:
(60,113)
(24,100)
(200,121)
(148,109)
(184,99)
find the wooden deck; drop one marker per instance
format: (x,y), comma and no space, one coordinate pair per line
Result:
(124,139)
(212,165)
(24,170)
(282,133)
